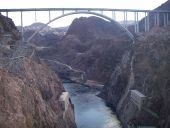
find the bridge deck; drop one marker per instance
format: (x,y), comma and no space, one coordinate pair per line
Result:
(83,9)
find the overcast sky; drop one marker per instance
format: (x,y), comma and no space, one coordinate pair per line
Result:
(133,4)
(118,4)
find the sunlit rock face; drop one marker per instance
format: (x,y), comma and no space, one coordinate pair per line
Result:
(29,90)
(146,69)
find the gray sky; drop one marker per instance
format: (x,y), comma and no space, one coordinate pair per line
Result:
(118,4)
(133,4)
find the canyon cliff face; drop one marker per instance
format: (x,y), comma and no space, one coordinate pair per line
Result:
(105,52)
(92,45)
(30,93)
(90,49)
(145,68)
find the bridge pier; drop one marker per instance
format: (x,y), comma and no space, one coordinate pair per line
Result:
(125,19)
(147,26)
(113,15)
(35,16)
(49,15)
(62,12)
(7,13)
(136,18)
(22,29)
(157,19)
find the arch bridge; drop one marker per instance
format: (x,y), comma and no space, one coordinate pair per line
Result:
(150,19)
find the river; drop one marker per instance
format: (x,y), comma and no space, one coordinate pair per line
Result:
(90,110)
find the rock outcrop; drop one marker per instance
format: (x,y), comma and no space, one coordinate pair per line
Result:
(29,91)
(93,46)
(65,71)
(145,68)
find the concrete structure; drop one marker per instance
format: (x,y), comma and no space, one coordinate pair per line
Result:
(137,98)
(68,110)
(64,100)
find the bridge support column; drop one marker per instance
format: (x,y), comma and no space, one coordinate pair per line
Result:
(35,16)
(62,12)
(102,12)
(22,30)
(167,18)
(7,13)
(157,19)
(145,22)
(136,22)
(164,17)
(147,26)
(49,15)
(125,19)
(113,15)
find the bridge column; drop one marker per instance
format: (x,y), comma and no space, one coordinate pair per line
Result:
(35,16)
(49,15)
(102,12)
(113,15)
(167,18)
(157,19)
(164,17)
(136,22)
(62,12)
(22,30)
(7,13)
(125,19)
(147,26)
(145,22)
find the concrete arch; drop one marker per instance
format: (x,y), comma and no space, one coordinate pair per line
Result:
(83,12)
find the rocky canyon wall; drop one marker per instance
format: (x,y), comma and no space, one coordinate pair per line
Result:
(29,90)
(145,68)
